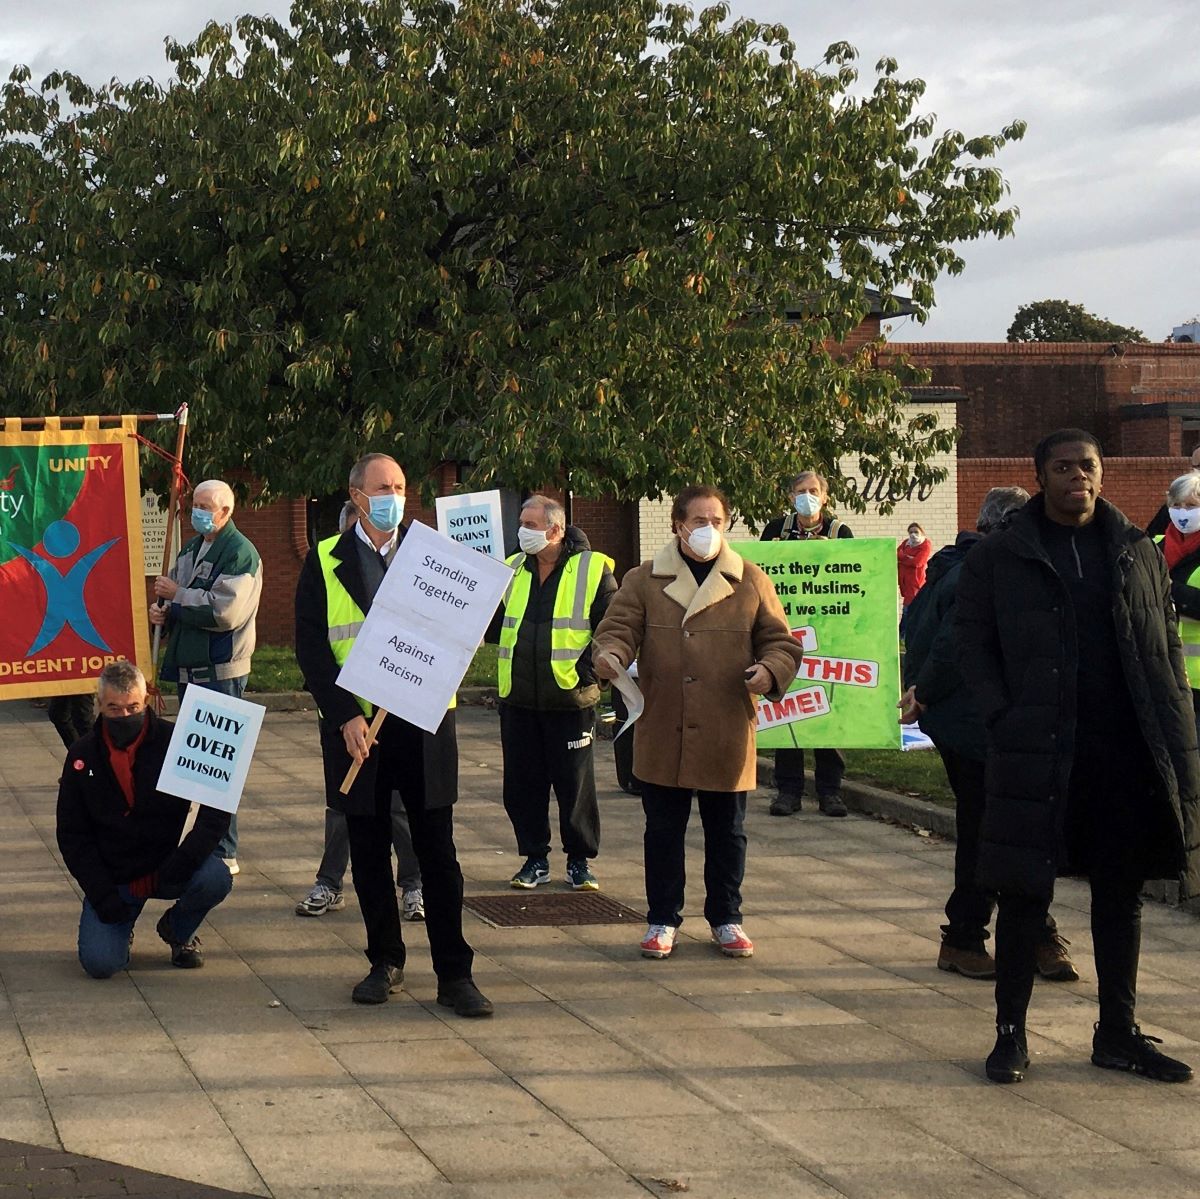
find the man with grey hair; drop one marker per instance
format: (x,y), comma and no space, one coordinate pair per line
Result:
(940,697)
(123,840)
(338,584)
(548,691)
(208,603)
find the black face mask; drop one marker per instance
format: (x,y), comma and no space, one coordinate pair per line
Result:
(123,730)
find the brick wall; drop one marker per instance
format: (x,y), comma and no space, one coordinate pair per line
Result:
(1136,485)
(935,509)
(1021,391)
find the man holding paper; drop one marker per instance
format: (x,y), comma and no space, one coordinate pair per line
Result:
(120,836)
(338,583)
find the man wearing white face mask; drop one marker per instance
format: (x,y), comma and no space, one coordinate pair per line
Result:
(548,691)
(809,522)
(709,634)
(337,586)
(1181,548)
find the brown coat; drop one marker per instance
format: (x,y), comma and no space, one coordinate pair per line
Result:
(693,646)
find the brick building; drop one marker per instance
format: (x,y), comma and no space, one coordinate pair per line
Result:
(1142,401)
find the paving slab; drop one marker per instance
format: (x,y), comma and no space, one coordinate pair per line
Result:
(838,1061)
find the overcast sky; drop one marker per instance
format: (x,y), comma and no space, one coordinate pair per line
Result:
(1107,177)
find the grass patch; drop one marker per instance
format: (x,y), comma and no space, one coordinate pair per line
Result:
(274,668)
(915,772)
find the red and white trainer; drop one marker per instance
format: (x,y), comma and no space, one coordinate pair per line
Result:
(659,941)
(732,940)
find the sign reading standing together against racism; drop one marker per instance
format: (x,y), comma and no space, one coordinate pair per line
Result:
(211,747)
(472,520)
(71,572)
(840,601)
(425,624)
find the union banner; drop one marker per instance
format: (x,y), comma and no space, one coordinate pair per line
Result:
(72,590)
(840,601)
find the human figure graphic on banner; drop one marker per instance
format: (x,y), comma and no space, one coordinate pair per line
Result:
(65,604)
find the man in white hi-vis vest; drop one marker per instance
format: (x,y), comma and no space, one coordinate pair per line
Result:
(548,691)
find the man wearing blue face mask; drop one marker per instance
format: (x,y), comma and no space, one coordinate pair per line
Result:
(808,522)
(207,604)
(338,584)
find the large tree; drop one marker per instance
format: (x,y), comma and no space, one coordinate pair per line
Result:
(555,239)
(1060,320)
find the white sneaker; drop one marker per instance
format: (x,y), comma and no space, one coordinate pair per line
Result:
(659,941)
(732,941)
(234,868)
(319,900)
(414,905)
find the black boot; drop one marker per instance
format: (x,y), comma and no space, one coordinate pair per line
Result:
(1009,1059)
(379,984)
(464,997)
(1131,1049)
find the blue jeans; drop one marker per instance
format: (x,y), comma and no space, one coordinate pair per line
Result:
(104,948)
(227,847)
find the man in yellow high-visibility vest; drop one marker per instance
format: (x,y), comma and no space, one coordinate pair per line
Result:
(337,584)
(548,691)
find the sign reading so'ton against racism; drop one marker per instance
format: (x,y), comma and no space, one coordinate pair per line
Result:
(840,601)
(211,748)
(472,520)
(425,623)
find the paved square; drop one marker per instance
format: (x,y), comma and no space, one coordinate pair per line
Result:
(836,1061)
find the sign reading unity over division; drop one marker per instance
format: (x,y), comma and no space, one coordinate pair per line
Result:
(472,520)
(210,751)
(840,601)
(71,573)
(424,626)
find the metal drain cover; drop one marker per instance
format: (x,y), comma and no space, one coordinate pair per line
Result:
(548,909)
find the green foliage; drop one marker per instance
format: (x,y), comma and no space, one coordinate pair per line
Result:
(556,240)
(1060,320)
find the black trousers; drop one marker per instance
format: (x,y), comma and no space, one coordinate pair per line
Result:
(1110,820)
(723,814)
(401,769)
(1116,942)
(72,716)
(828,768)
(969,908)
(544,751)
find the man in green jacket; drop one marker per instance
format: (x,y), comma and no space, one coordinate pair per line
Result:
(207,604)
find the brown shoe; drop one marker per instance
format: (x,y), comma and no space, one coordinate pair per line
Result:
(970,963)
(1054,962)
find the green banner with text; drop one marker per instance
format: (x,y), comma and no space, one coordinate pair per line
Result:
(840,601)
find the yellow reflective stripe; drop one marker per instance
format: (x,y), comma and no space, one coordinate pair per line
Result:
(567,655)
(1191,651)
(344,632)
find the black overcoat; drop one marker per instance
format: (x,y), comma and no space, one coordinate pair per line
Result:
(1014,622)
(336,706)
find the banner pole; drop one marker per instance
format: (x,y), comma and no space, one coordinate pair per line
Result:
(181,421)
(355,767)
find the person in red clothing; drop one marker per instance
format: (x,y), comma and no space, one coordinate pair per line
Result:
(912,554)
(124,841)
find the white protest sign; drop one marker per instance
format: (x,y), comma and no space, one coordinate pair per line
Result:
(211,748)
(425,623)
(154,533)
(472,520)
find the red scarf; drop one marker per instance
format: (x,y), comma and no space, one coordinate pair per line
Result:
(1177,545)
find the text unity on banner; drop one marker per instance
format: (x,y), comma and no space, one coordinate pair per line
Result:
(71,570)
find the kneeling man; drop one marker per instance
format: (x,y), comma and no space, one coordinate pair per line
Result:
(123,839)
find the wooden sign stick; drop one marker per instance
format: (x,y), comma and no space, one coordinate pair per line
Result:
(355,767)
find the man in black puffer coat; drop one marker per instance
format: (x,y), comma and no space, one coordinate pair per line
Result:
(940,696)
(1067,633)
